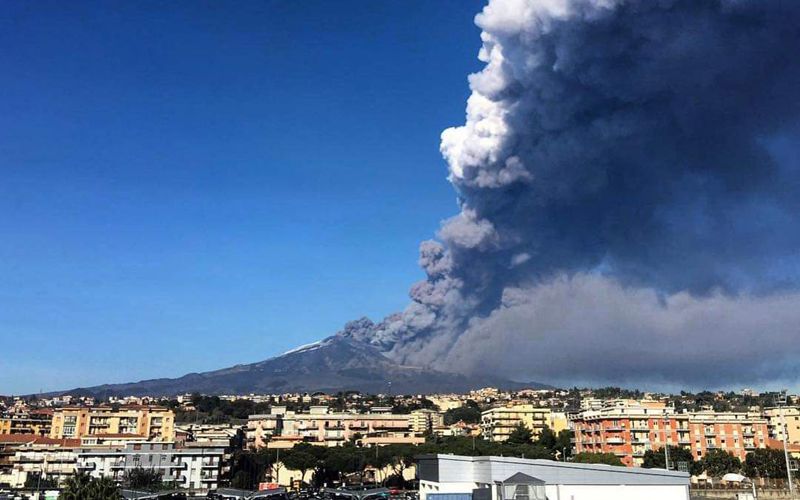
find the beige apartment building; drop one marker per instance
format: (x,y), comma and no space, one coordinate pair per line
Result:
(422,421)
(153,423)
(34,423)
(446,401)
(498,423)
(787,418)
(629,428)
(284,429)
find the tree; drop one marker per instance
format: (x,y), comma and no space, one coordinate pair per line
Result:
(299,459)
(143,479)
(765,462)
(85,487)
(242,480)
(564,443)
(402,458)
(343,460)
(520,435)
(597,458)
(380,460)
(654,459)
(717,463)
(469,414)
(35,481)
(547,439)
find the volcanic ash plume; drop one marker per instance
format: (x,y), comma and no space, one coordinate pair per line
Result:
(629,190)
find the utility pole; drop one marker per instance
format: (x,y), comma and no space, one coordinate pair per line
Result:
(666,444)
(785,431)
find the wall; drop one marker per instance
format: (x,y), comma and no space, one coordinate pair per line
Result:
(617,492)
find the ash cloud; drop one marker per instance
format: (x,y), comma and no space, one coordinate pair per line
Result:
(624,181)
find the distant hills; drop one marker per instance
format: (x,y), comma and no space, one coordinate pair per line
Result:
(334,364)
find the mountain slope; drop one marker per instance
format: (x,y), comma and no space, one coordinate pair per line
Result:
(335,364)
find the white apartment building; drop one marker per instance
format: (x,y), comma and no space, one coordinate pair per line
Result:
(195,468)
(37,456)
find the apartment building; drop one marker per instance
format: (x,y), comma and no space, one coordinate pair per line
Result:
(35,423)
(628,429)
(783,420)
(194,468)
(25,456)
(446,401)
(148,422)
(422,421)
(284,429)
(498,423)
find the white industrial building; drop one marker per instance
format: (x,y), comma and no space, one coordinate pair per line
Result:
(453,477)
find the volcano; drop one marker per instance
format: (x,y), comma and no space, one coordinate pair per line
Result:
(337,363)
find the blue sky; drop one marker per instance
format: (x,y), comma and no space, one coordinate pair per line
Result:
(189,185)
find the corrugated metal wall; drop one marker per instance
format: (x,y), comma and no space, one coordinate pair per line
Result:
(449,496)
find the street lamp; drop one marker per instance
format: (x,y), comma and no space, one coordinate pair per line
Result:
(666,444)
(785,431)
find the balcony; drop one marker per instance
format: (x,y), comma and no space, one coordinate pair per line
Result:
(615,440)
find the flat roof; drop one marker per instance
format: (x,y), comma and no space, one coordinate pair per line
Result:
(492,469)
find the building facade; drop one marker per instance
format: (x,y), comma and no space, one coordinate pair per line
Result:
(25,458)
(193,468)
(783,421)
(498,423)
(453,477)
(152,423)
(425,421)
(284,429)
(628,430)
(35,423)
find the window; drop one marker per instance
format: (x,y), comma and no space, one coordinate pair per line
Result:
(521,492)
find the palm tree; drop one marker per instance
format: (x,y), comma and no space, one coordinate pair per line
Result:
(85,487)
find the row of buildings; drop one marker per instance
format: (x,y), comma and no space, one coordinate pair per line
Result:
(629,428)
(283,429)
(69,422)
(56,441)
(27,460)
(109,441)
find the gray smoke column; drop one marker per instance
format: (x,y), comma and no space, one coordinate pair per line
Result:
(629,191)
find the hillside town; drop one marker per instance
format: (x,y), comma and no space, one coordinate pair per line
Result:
(202,444)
